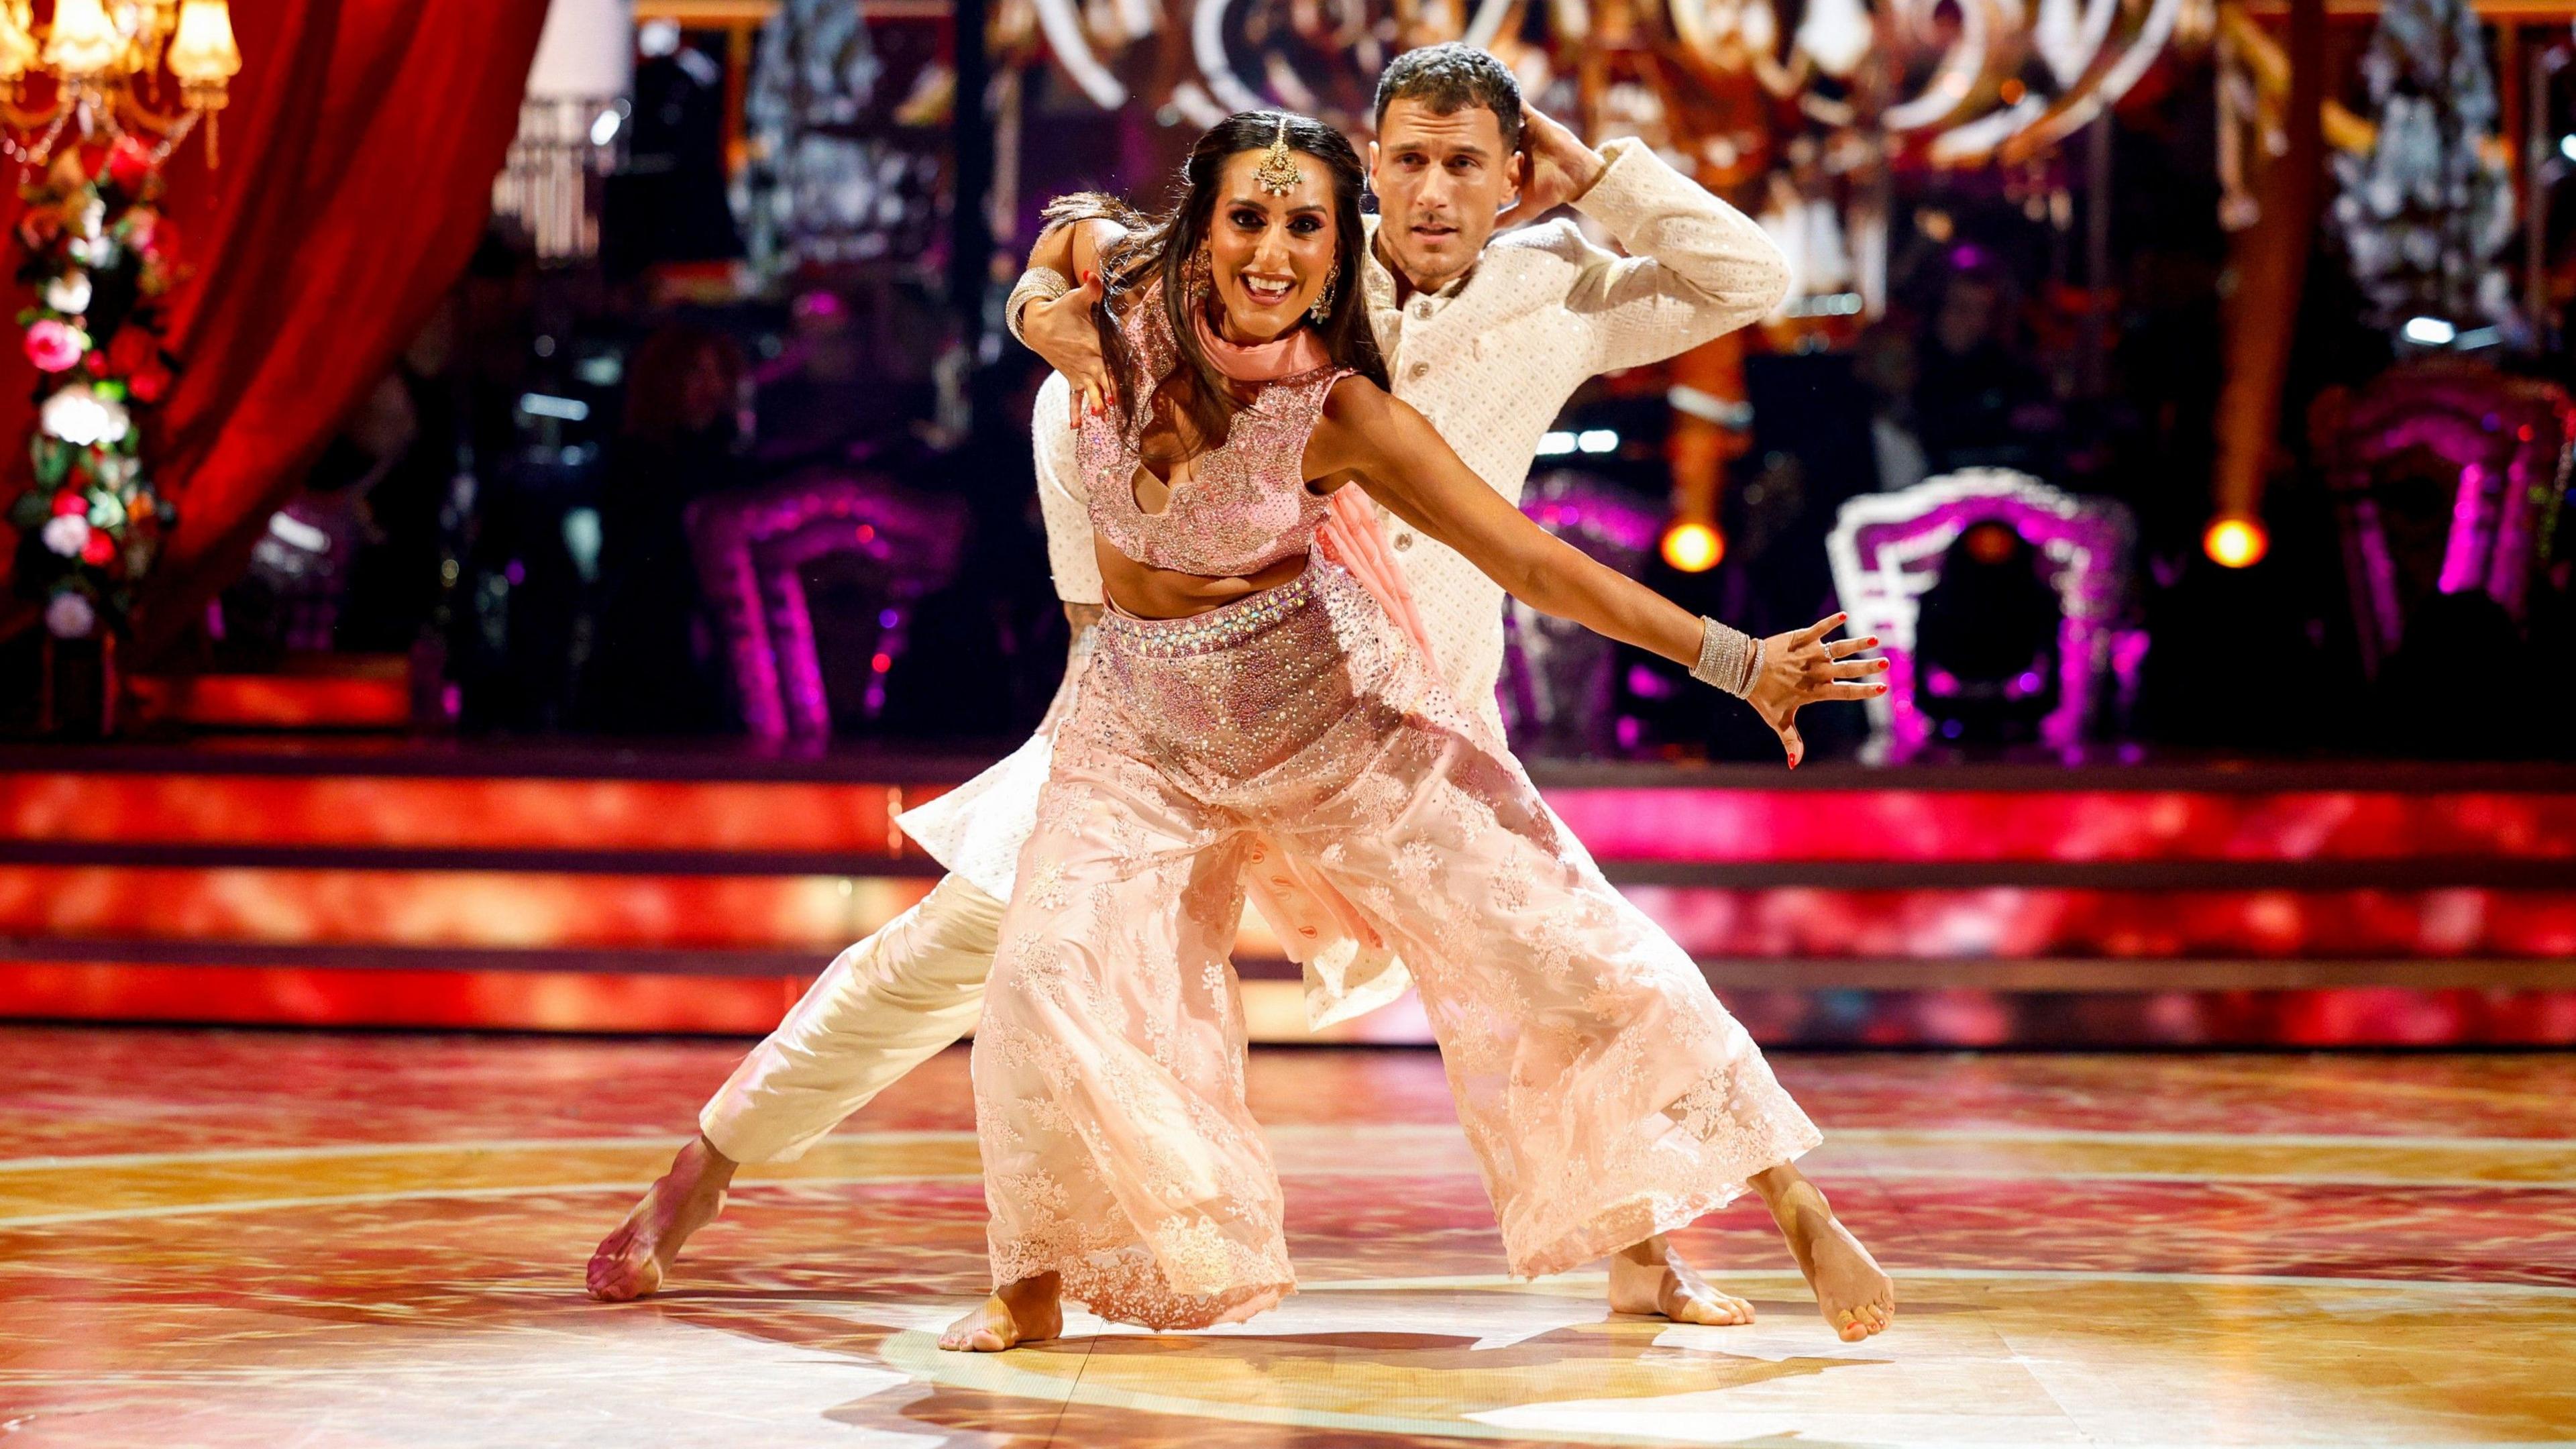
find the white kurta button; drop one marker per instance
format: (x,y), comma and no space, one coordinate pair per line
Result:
(1403,541)
(1421,370)
(1422,308)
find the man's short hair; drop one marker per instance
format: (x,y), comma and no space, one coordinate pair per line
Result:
(1450,77)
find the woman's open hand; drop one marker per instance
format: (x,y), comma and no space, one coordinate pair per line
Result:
(1801,668)
(1063,333)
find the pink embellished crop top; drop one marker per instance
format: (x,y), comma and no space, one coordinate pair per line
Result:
(1233,510)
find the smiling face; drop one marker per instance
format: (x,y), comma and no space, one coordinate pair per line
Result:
(1440,180)
(1270,256)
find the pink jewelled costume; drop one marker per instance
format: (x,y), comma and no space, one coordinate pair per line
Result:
(1229,513)
(1298,735)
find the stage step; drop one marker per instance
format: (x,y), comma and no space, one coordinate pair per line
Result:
(613,801)
(555,888)
(2141,973)
(815,915)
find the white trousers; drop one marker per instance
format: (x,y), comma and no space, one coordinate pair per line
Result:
(883,1007)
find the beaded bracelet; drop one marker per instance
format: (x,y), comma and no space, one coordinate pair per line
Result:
(1729,659)
(1036,284)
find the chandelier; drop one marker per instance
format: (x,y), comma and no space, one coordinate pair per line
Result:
(104,60)
(1957,82)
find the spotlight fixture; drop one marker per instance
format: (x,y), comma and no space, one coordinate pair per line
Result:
(1693,548)
(2236,543)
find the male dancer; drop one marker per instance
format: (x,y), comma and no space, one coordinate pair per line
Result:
(1487,342)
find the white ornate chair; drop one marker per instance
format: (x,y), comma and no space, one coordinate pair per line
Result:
(1886,550)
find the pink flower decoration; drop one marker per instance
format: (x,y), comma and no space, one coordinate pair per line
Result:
(66,534)
(130,163)
(70,615)
(54,346)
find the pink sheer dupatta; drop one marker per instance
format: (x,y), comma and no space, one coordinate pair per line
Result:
(1350,537)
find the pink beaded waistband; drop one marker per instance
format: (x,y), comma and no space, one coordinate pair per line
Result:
(1221,628)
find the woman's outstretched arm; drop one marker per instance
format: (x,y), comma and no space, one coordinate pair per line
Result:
(1412,470)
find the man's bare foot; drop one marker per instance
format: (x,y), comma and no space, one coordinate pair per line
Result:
(1856,1296)
(1651,1278)
(1017,1313)
(629,1262)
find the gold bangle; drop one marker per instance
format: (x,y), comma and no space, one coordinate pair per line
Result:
(1035,284)
(1729,658)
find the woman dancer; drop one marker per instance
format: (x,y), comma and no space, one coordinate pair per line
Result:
(1249,708)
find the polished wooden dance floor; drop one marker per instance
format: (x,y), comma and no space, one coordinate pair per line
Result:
(219,1239)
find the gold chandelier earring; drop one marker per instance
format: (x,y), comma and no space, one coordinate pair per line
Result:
(1201,277)
(1323,307)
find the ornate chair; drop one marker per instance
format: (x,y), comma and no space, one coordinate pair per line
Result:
(1886,550)
(751,547)
(1558,690)
(2446,476)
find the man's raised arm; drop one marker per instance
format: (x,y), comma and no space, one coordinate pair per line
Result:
(1696,267)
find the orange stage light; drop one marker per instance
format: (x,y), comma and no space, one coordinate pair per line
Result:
(1694,548)
(1991,543)
(2236,542)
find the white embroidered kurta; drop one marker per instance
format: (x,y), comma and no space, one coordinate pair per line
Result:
(1489,362)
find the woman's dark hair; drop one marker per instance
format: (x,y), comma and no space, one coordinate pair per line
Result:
(1159,248)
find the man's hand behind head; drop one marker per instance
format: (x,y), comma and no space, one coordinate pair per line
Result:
(1561,168)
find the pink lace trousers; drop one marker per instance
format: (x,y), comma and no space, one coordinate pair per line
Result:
(1606,1093)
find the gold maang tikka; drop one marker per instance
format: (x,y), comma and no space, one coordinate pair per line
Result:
(1278,173)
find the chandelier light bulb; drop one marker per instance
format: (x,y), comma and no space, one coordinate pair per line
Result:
(202,52)
(18,49)
(83,42)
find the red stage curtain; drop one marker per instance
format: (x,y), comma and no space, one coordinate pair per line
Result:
(357,166)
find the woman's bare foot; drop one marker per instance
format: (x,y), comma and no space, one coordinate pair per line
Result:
(1652,1278)
(1017,1313)
(629,1262)
(1856,1296)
